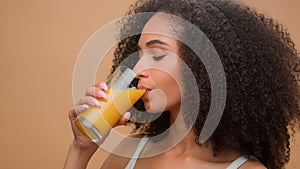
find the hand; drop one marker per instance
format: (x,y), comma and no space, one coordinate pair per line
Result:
(93,94)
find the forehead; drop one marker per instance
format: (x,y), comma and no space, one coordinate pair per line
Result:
(160,23)
(159,27)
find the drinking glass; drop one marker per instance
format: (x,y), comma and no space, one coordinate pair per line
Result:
(95,122)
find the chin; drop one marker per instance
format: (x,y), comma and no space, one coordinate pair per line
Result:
(154,108)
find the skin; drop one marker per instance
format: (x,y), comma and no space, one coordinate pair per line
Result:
(187,154)
(159,78)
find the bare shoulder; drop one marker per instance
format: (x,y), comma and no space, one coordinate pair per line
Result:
(128,145)
(253,164)
(114,161)
(122,153)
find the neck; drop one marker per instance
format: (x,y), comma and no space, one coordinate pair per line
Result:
(187,145)
(180,134)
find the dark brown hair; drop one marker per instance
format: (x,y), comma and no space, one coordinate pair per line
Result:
(261,67)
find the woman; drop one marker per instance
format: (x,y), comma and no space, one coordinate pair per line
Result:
(262,107)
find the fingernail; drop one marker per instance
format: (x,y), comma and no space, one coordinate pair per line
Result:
(95,102)
(102,94)
(84,106)
(81,108)
(103,86)
(127,115)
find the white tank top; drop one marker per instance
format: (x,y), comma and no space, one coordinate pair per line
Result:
(234,165)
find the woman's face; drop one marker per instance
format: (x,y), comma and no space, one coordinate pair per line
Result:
(158,67)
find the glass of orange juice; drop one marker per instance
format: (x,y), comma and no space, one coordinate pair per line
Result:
(95,122)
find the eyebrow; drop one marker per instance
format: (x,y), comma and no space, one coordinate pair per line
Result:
(155,41)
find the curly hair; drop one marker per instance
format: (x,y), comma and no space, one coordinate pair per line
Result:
(261,67)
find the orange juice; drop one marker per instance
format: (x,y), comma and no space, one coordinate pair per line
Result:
(95,122)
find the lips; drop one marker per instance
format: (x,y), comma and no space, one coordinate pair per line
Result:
(148,90)
(144,88)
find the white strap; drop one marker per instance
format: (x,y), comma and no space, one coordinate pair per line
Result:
(238,162)
(137,152)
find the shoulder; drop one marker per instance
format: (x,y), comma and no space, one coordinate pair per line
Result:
(128,145)
(253,164)
(122,153)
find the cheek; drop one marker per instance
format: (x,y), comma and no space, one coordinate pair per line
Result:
(163,99)
(171,91)
(173,95)
(158,101)
(166,95)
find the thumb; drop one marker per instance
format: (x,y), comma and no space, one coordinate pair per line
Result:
(124,119)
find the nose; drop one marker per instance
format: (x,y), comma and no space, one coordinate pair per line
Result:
(142,74)
(141,69)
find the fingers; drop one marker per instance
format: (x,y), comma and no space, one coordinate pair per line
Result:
(124,119)
(102,86)
(89,100)
(98,90)
(93,94)
(76,110)
(83,104)
(81,108)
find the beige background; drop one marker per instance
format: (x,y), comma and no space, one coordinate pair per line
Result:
(40,41)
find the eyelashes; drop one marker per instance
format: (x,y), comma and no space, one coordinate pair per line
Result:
(154,57)
(157,58)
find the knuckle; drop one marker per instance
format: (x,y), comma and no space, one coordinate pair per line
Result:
(91,91)
(98,84)
(87,92)
(89,99)
(71,112)
(83,100)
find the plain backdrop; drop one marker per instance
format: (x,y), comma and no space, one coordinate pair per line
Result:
(40,41)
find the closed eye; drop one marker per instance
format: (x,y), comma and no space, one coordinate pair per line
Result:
(157,58)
